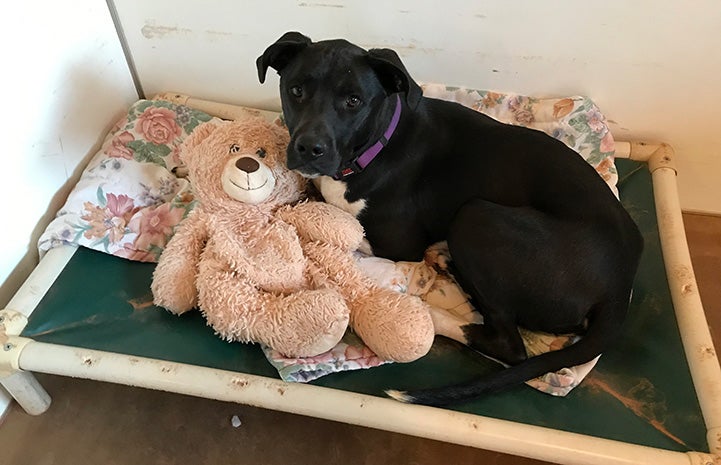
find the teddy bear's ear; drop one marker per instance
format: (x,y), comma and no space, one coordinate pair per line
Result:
(282,138)
(199,134)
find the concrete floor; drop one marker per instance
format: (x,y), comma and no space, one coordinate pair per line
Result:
(98,423)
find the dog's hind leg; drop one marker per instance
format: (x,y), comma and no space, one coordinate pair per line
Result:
(483,339)
(448,325)
(516,264)
(499,341)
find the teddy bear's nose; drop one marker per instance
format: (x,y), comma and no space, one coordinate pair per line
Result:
(247,164)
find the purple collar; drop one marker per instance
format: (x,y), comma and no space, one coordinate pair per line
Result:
(364,159)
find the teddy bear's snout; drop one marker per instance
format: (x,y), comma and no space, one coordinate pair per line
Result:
(247,164)
(247,179)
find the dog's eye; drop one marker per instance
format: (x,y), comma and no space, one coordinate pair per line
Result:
(260,152)
(352,101)
(235,148)
(296,91)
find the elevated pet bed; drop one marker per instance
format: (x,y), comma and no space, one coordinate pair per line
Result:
(653,398)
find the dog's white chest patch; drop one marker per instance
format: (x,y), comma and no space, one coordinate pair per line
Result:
(333,192)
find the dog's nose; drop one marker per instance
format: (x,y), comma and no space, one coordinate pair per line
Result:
(247,164)
(316,148)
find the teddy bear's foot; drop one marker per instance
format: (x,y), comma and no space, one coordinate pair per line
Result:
(177,298)
(313,322)
(300,324)
(395,326)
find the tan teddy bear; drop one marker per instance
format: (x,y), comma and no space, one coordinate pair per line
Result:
(264,267)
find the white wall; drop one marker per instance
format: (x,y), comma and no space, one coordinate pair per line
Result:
(65,81)
(652,66)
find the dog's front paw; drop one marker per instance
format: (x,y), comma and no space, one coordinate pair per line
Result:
(438,256)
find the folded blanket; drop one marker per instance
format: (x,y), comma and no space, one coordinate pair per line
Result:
(128,202)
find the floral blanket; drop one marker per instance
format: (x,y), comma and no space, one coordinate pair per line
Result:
(128,203)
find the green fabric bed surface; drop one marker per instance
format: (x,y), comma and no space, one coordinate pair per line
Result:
(640,392)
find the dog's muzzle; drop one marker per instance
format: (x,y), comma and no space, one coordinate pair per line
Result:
(312,151)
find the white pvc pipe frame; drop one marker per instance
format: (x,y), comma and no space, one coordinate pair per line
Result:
(20,356)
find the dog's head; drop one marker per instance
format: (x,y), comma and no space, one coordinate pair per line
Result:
(335,98)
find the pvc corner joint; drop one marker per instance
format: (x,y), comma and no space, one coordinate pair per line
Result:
(699,458)
(662,157)
(11,324)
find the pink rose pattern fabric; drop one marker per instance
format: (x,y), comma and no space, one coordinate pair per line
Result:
(158,125)
(127,201)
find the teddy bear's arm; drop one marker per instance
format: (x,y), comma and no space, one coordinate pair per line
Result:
(174,277)
(319,221)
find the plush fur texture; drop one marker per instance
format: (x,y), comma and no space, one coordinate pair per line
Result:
(276,271)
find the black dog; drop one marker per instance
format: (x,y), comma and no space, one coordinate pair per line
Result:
(536,237)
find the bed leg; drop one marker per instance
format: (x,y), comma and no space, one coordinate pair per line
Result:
(21,385)
(27,391)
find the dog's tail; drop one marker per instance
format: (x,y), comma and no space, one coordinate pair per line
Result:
(605,323)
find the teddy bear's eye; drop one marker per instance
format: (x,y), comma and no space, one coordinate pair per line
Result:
(261,152)
(235,148)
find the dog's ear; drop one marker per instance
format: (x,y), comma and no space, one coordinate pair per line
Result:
(393,75)
(282,52)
